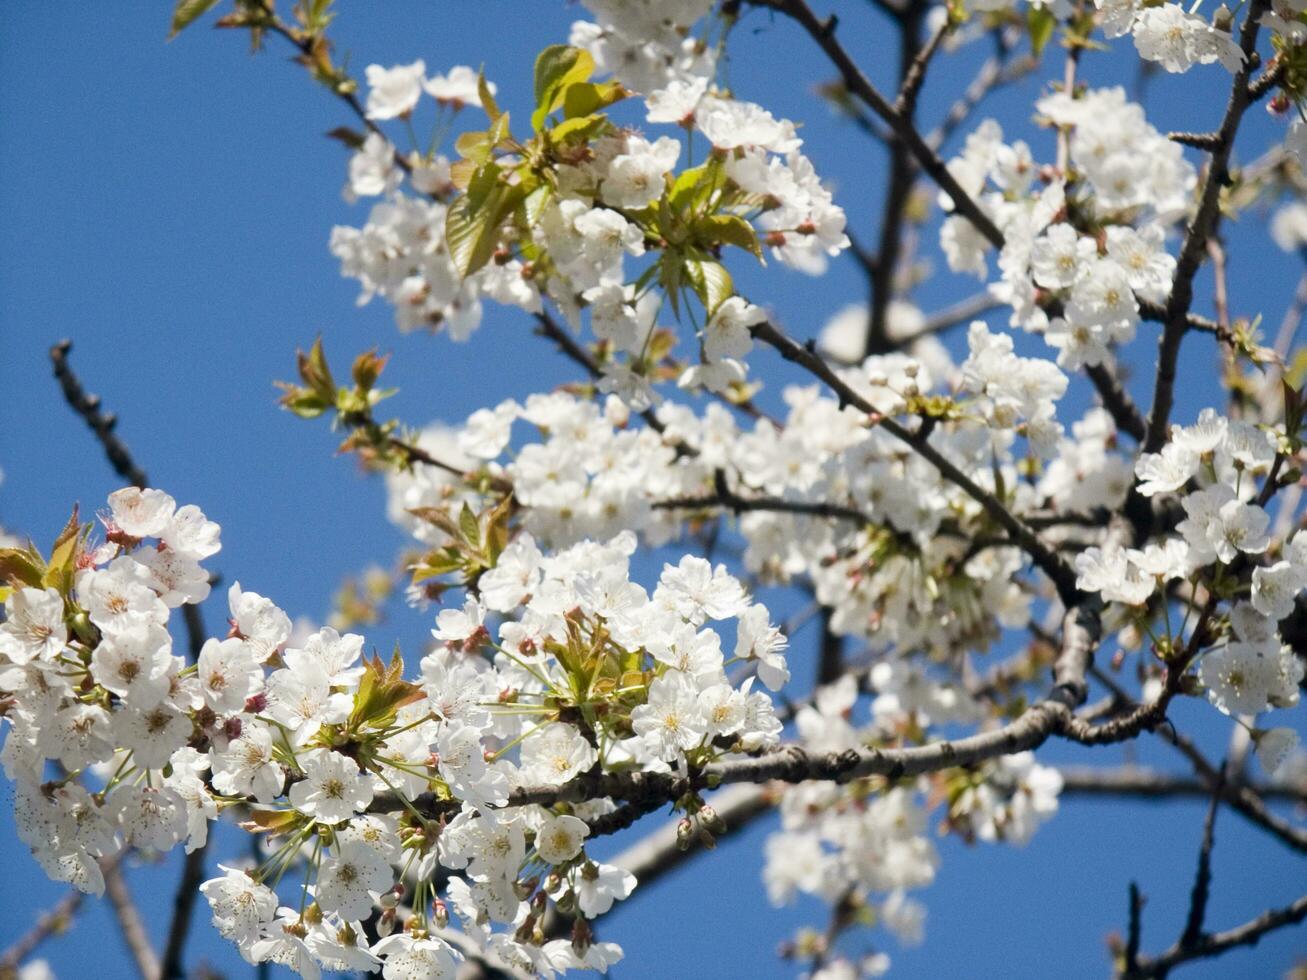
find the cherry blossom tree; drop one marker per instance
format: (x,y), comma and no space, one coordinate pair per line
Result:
(990,574)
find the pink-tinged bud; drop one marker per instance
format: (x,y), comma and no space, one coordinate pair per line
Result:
(256,703)
(440,913)
(1118,659)
(398,889)
(232,728)
(684,833)
(1279,104)
(386,924)
(711,820)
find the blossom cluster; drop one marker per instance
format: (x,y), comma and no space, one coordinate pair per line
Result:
(595,195)
(557,668)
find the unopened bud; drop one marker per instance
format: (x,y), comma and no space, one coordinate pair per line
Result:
(684,833)
(440,913)
(706,838)
(710,819)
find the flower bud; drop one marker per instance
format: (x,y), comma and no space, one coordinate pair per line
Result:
(710,819)
(684,833)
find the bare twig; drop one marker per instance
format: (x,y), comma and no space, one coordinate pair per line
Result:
(1216,943)
(129,920)
(1148,784)
(1195,241)
(823,32)
(1193,926)
(1134,928)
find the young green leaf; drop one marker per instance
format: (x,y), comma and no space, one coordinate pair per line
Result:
(187,12)
(557,67)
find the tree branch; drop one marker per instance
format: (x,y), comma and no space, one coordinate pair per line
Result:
(1193,926)
(120,458)
(1148,784)
(129,920)
(1041,554)
(823,32)
(1195,242)
(1214,944)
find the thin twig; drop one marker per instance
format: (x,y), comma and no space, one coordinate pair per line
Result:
(1193,926)
(1195,240)
(823,32)
(129,920)
(1214,944)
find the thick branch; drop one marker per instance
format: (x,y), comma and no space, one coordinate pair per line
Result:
(794,764)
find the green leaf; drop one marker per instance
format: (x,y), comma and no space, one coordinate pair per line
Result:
(690,186)
(303,402)
(185,13)
(587,98)
(473,145)
(1295,372)
(1041,22)
(711,282)
(22,566)
(468,526)
(557,67)
(63,556)
(582,128)
(730,229)
(488,102)
(316,373)
(474,221)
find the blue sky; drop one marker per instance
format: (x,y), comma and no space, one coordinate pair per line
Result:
(167,206)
